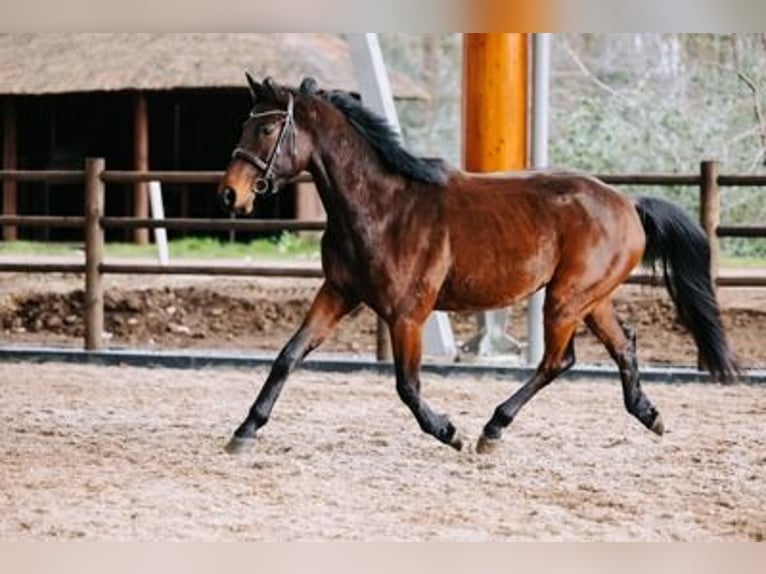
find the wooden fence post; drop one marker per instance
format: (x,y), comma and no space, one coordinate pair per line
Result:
(94,254)
(710,211)
(710,218)
(10,161)
(140,163)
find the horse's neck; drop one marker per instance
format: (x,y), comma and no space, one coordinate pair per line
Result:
(352,190)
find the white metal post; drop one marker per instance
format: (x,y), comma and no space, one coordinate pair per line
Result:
(375,89)
(158,214)
(541,58)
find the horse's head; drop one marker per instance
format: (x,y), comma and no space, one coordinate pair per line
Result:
(270,152)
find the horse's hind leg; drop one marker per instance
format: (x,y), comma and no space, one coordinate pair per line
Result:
(406,338)
(621,344)
(328,308)
(559,356)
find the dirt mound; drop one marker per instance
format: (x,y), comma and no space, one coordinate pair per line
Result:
(171,317)
(159,315)
(247,316)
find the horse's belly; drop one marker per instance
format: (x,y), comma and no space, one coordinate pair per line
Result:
(488,287)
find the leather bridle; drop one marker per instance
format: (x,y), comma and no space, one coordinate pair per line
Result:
(265,183)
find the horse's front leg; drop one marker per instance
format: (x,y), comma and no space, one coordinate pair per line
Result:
(406,339)
(328,308)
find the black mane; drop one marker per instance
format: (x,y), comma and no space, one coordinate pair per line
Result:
(385,141)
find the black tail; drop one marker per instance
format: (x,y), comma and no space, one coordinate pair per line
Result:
(676,240)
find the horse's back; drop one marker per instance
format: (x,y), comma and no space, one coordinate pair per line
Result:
(540,202)
(510,233)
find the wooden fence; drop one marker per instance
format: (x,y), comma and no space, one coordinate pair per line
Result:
(94,222)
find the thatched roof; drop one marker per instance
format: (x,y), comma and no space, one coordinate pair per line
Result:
(61,63)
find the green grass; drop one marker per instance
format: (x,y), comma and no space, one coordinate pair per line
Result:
(732,262)
(287,246)
(22,247)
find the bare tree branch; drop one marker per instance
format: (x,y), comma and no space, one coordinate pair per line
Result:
(584,69)
(757,110)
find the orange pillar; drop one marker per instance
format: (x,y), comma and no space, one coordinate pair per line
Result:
(494,139)
(495,101)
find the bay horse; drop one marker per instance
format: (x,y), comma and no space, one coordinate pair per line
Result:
(407,235)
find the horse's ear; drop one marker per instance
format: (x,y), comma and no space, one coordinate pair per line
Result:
(255,87)
(308,86)
(271,89)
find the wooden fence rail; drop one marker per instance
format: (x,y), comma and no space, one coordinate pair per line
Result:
(94,223)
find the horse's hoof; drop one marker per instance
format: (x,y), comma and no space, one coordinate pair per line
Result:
(658,427)
(487,445)
(457,441)
(238,445)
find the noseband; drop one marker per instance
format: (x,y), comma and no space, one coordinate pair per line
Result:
(265,183)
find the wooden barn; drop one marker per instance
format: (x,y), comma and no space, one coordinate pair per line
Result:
(145,101)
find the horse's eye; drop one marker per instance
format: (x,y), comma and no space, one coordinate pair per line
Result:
(267,129)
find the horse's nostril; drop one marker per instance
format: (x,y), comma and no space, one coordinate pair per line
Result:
(227,197)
